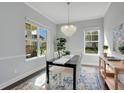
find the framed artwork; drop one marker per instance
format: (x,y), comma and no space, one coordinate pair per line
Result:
(118,39)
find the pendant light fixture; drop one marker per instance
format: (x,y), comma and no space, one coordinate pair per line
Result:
(68,29)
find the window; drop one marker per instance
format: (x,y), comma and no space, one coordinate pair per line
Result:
(91,42)
(36,40)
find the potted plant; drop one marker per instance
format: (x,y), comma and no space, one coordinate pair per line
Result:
(105,47)
(121,49)
(61,49)
(66,52)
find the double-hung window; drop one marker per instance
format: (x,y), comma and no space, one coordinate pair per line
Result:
(36,40)
(91,44)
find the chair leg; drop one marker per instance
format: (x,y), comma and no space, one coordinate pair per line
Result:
(61,81)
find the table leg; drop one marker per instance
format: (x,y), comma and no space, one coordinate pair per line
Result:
(104,68)
(74,78)
(47,69)
(116,80)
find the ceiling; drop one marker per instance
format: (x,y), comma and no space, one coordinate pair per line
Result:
(57,11)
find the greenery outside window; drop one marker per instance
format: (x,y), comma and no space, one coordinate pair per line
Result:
(36,40)
(91,42)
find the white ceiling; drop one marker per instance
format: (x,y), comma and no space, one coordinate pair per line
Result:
(57,11)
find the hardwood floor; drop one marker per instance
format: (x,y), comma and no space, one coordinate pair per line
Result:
(29,78)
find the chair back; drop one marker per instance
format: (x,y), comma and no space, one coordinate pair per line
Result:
(78,70)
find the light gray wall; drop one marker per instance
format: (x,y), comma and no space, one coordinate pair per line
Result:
(113,18)
(75,43)
(12,42)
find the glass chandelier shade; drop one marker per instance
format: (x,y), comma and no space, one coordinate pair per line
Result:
(68,29)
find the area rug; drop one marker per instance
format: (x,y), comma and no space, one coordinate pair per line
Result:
(87,80)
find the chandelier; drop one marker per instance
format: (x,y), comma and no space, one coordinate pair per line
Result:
(68,29)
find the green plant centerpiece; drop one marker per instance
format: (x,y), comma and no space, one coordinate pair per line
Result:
(121,49)
(61,49)
(105,47)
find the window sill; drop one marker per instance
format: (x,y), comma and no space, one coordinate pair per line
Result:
(91,54)
(34,58)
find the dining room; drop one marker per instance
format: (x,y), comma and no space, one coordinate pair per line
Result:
(62,46)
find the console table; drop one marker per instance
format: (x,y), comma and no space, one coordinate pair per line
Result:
(109,69)
(71,64)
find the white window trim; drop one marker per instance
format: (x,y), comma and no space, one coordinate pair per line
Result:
(92,30)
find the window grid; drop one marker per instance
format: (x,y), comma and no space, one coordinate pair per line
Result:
(91,41)
(33,41)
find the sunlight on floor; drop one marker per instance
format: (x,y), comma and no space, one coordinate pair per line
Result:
(40,81)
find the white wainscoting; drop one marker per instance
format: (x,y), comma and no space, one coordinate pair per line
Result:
(14,68)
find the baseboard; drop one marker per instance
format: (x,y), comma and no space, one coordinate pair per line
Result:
(3,85)
(89,65)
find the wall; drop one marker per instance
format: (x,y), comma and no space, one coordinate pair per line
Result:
(113,18)
(75,43)
(13,65)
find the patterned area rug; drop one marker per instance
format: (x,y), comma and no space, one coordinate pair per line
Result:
(87,80)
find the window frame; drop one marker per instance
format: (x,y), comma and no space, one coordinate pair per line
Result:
(91,30)
(37,40)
